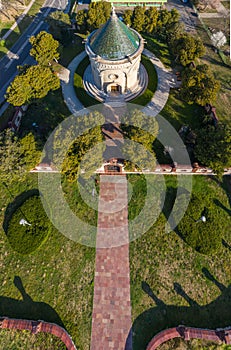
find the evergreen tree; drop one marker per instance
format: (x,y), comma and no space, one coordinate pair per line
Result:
(138,20)
(59,22)
(127,17)
(151,20)
(98,14)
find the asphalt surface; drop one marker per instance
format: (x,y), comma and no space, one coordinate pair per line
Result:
(187,15)
(19,53)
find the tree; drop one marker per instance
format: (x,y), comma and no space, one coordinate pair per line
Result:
(127,17)
(187,49)
(59,22)
(213,147)
(81,18)
(11,165)
(33,83)
(44,48)
(98,14)
(72,149)
(138,20)
(135,125)
(151,20)
(199,85)
(30,149)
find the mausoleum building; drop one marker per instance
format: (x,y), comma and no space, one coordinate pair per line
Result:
(114,52)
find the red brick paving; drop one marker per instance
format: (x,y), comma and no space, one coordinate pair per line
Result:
(111,318)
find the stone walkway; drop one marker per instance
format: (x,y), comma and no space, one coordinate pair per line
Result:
(111,318)
(69,95)
(166,80)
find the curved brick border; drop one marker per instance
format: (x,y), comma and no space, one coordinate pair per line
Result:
(38,326)
(187,333)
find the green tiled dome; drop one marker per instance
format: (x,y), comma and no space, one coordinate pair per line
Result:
(114,40)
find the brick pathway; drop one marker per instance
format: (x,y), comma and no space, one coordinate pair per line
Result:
(111,318)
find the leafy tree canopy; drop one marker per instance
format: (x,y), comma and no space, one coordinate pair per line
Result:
(44,48)
(33,83)
(199,85)
(59,22)
(187,49)
(71,153)
(213,147)
(17,156)
(98,14)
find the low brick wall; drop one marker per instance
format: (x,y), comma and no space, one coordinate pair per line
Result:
(187,333)
(38,326)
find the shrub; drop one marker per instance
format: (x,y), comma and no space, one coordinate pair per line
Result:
(26,239)
(204,237)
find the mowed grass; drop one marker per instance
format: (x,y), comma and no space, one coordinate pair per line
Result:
(168,279)
(18,340)
(221,73)
(146,97)
(179,113)
(160,49)
(57,280)
(81,93)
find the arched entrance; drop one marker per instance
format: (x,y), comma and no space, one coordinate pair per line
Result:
(114,88)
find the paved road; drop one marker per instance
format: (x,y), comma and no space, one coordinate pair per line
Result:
(188,15)
(19,53)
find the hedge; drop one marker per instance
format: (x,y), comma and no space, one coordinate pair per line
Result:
(204,237)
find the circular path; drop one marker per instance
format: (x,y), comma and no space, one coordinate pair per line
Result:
(157,103)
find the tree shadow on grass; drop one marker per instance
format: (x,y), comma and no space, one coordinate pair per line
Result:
(15,204)
(222,206)
(225,184)
(216,314)
(27,308)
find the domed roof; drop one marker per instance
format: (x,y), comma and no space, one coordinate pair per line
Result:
(114,40)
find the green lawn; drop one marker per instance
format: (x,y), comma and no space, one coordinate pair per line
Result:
(168,286)
(146,97)
(179,113)
(221,73)
(160,49)
(57,278)
(81,93)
